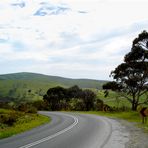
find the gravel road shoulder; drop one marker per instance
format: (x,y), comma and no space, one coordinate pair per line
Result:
(137,137)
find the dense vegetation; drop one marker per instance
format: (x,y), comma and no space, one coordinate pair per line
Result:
(73,98)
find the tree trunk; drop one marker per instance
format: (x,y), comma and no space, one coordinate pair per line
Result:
(134,106)
(134,103)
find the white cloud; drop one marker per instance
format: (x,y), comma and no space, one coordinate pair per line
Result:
(89,40)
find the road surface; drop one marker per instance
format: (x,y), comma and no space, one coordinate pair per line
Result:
(71,130)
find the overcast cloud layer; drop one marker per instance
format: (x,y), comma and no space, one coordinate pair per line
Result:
(69,38)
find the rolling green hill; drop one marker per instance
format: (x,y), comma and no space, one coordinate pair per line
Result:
(32,86)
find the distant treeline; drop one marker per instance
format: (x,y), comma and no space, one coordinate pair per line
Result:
(62,99)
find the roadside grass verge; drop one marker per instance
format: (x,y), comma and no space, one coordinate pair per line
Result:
(130,116)
(24,122)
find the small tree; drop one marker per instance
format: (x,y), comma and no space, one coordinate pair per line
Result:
(132,75)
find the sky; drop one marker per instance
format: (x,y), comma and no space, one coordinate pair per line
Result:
(68,38)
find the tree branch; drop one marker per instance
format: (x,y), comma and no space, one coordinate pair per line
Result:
(142,93)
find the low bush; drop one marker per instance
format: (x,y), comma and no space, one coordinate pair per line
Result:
(31,109)
(27,108)
(9,118)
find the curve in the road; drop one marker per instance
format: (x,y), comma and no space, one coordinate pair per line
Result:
(70,130)
(54,135)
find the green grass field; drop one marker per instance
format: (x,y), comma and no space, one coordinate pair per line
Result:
(24,122)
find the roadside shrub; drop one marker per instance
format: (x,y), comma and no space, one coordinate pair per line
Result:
(5,105)
(98,105)
(27,108)
(31,109)
(40,105)
(9,118)
(22,107)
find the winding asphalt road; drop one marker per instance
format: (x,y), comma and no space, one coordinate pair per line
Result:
(66,130)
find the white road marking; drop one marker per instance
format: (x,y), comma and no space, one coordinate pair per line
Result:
(54,135)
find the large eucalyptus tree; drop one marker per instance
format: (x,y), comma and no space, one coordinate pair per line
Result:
(131,76)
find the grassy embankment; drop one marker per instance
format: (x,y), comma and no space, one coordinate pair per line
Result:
(23,122)
(129,116)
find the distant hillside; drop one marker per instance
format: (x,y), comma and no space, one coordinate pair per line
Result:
(17,85)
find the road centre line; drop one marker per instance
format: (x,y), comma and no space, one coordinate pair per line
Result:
(76,121)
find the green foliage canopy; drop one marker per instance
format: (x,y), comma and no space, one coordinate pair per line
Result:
(60,98)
